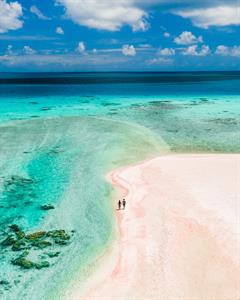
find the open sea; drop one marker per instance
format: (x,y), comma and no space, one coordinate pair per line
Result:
(61,133)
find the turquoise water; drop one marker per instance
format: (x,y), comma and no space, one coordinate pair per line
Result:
(186,122)
(59,140)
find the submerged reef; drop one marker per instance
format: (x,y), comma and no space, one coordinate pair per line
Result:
(46,108)
(25,263)
(110,104)
(224,121)
(26,243)
(47,207)
(18,188)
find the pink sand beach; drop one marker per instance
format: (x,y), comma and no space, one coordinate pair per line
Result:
(179,236)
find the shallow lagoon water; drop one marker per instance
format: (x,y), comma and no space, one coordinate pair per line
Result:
(65,138)
(187,122)
(65,159)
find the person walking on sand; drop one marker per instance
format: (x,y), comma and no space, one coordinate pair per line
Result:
(124,203)
(119,204)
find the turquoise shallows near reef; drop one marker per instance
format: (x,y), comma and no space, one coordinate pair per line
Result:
(61,133)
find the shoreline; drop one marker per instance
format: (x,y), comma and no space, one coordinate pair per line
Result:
(175,241)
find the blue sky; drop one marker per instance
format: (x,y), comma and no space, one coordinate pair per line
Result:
(119,35)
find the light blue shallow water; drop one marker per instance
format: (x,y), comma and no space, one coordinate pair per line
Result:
(58,141)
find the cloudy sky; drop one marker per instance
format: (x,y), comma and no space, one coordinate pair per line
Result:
(119,35)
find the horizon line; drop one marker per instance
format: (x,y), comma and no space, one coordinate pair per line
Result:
(95,72)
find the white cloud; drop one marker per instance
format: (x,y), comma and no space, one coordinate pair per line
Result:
(59,30)
(128,50)
(166,35)
(223,50)
(166,52)
(62,60)
(187,38)
(160,61)
(108,15)
(28,50)
(235,51)
(109,50)
(9,16)
(81,47)
(34,10)
(212,16)
(194,51)
(228,51)
(9,50)
(27,38)
(145,46)
(113,14)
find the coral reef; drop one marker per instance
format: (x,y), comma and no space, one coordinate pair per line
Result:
(47,207)
(30,242)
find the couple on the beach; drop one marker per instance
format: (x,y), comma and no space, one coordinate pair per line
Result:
(121,204)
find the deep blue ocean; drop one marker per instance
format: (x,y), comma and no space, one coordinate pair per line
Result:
(71,84)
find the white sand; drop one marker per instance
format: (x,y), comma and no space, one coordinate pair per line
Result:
(179,237)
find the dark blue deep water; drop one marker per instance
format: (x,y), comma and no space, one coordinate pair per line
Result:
(190,83)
